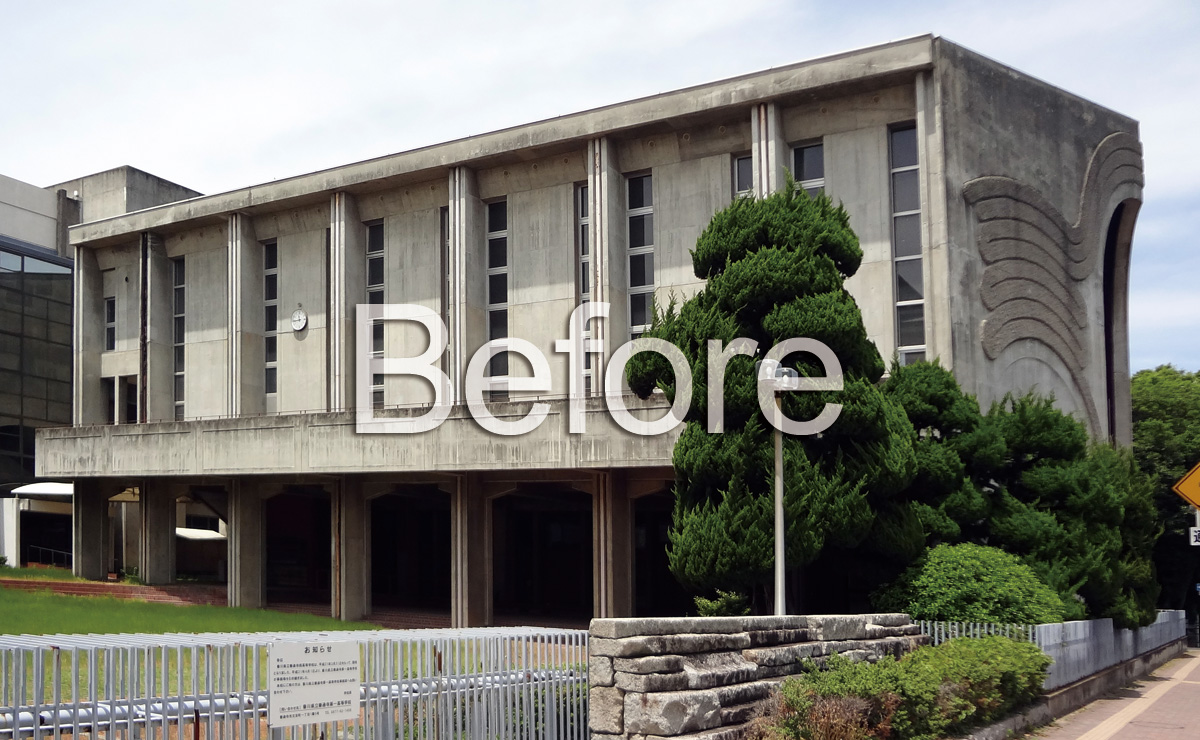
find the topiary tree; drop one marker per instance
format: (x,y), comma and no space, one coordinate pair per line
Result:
(775,270)
(972,583)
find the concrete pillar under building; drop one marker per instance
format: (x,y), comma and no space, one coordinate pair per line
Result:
(10,531)
(89,525)
(156,561)
(245,545)
(471,566)
(351,552)
(612,563)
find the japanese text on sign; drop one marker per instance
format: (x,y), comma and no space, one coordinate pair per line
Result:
(313,682)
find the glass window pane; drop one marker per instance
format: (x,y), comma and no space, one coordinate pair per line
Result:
(179,274)
(375,297)
(909,286)
(498,367)
(271,322)
(377,398)
(641,231)
(908,358)
(45,268)
(910,323)
(809,163)
(270,256)
(375,238)
(641,270)
(498,288)
(585,274)
(10,262)
(375,271)
(179,388)
(497,216)
(904,147)
(269,380)
(814,192)
(179,330)
(583,240)
(906,195)
(744,174)
(497,324)
(110,310)
(583,201)
(639,309)
(641,192)
(497,252)
(179,300)
(110,338)
(270,287)
(179,361)
(270,349)
(377,337)
(908,235)
(179,412)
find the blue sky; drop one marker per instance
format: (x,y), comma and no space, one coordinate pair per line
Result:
(218,95)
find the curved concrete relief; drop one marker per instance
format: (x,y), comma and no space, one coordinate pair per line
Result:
(1035,261)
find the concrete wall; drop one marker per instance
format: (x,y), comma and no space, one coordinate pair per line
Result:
(1081,649)
(1027,303)
(206,266)
(119,191)
(679,676)
(28,213)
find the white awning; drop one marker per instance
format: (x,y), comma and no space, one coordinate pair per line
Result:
(188,533)
(45,489)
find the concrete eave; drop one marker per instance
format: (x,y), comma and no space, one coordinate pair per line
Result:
(877,64)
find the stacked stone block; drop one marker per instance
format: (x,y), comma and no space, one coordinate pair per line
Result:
(706,678)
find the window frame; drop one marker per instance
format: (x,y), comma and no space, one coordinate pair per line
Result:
(906,353)
(499,361)
(636,330)
(271,332)
(179,333)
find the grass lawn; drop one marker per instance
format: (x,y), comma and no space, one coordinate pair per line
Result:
(39,574)
(45,613)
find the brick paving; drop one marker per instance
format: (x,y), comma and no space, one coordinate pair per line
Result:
(1162,706)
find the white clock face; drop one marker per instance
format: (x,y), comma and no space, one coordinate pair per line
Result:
(299,319)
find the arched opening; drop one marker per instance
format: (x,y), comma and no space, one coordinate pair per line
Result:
(299,543)
(542,556)
(656,593)
(410,549)
(1117,244)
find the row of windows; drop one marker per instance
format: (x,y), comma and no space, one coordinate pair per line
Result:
(178,330)
(270,320)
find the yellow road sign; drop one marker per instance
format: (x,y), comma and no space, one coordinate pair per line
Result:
(1189,486)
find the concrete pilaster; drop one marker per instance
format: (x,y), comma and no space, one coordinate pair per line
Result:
(612,559)
(156,400)
(347,287)
(89,526)
(10,531)
(352,561)
(769,150)
(88,335)
(156,561)
(467,294)
(244,320)
(245,545)
(471,558)
(606,195)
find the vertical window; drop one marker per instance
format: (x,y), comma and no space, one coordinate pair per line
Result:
(497,282)
(640,253)
(271,317)
(108,392)
(582,221)
(808,167)
(375,285)
(906,244)
(110,323)
(178,280)
(743,175)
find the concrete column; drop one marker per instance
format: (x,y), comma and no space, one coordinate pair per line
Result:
(89,527)
(156,386)
(606,196)
(935,235)
(769,151)
(347,288)
(612,536)
(471,558)
(245,318)
(10,531)
(467,287)
(156,562)
(88,407)
(245,545)
(352,573)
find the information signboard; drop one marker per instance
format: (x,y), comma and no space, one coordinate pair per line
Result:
(312,682)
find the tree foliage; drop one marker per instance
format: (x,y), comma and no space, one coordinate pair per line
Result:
(1166,443)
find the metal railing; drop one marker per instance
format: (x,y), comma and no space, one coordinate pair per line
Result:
(940,632)
(47,556)
(503,683)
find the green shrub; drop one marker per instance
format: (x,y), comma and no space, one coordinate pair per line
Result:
(971,583)
(727,604)
(922,696)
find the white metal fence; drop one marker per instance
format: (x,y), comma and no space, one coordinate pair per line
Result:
(1078,649)
(513,683)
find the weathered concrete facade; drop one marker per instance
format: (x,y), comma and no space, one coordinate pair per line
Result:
(995,214)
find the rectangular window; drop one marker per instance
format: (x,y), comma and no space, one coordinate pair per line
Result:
(270,319)
(907,263)
(640,253)
(584,254)
(110,323)
(179,331)
(375,295)
(808,167)
(743,175)
(497,282)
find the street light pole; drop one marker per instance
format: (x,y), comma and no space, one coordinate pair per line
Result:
(780,550)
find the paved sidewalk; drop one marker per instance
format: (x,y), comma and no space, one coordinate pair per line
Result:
(1162,706)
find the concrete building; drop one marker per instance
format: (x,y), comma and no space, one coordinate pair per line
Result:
(35,337)
(215,350)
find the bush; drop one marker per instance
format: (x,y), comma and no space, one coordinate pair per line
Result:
(923,696)
(727,604)
(971,583)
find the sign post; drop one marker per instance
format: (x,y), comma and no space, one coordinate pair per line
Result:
(1188,489)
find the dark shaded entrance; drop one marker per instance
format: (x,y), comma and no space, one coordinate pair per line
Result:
(542,554)
(410,549)
(656,593)
(299,543)
(45,538)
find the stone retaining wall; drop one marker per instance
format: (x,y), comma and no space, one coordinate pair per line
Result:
(705,678)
